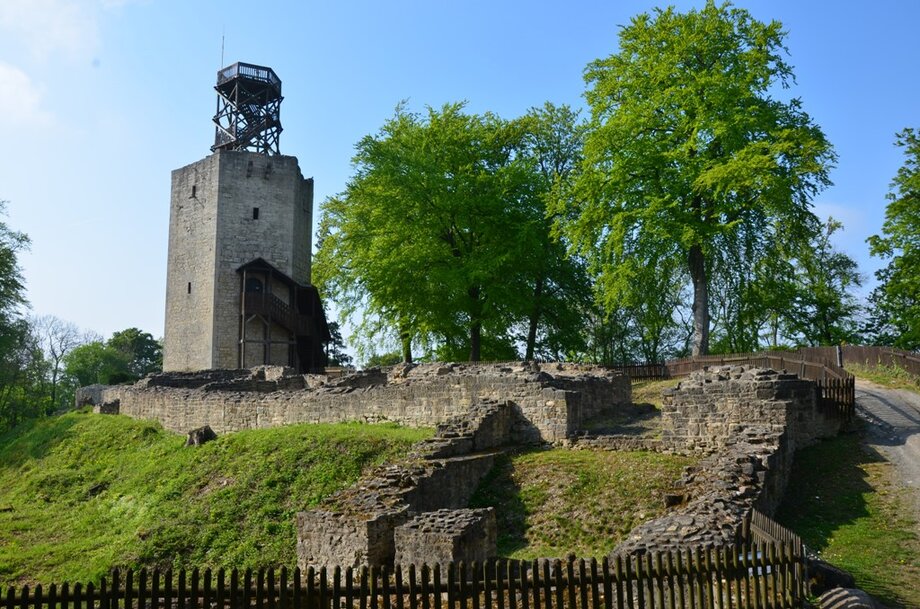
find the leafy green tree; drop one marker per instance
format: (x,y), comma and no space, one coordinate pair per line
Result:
(383,359)
(142,351)
(335,348)
(752,290)
(825,310)
(57,338)
(560,291)
(12,289)
(21,363)
(425,237)
(897,298)
(687,146)
(23,374)
(609,338)
(96,362)
(126,356)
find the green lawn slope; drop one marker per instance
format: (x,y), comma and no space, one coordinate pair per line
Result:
(550,503)
(83,493)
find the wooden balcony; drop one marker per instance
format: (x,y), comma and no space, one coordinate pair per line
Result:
(274,309)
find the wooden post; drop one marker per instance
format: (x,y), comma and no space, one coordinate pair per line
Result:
(311,593)
(283,595)
(337,587)
(154,590)
(349,588)
(373,588)
(413,601)
(235,589)
(536,585)
(436,580)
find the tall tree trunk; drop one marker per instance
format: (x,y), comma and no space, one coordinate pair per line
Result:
(405,339)
(534,320)
(475,341)
(700,308)
(475,324)
(54,383)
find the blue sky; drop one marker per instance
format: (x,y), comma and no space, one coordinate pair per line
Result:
(101,99)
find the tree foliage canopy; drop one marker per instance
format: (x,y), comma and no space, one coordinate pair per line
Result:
(825,307)
(126,356)
(17,347)
(898,295)
(688,151)
(441,235)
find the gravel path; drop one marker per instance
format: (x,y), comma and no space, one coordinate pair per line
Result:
(894,430)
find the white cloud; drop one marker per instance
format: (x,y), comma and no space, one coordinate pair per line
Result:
(48,27)
(20,100)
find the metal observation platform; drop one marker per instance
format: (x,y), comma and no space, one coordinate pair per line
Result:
(248,109)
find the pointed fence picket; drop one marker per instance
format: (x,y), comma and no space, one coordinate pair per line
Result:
(753,575)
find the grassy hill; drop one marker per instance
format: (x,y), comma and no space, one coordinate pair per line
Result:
(82,493)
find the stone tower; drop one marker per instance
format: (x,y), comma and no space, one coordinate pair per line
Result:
(238,290)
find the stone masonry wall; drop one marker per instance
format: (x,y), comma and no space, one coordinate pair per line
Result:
(750,421)
(213,230)
(712,407)
(551,400)
(358,525)
(445,536)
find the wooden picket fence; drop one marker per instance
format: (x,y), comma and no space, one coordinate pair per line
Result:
(648,371)
(745,576)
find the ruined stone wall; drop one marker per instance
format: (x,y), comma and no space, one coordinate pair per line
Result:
(712,407)
(361,524)
(750,421)
(551,401)
(441,536)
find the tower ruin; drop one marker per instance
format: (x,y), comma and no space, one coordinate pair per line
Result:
(238,290)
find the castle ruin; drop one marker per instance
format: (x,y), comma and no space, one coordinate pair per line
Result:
(238,290)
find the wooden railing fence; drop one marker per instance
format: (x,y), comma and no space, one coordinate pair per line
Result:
(837,387)
(882,356)
(746,576)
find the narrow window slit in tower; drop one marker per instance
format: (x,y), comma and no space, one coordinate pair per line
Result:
(194,190)
(255,213)
(189,289)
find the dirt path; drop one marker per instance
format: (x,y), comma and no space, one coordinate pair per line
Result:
(894,430)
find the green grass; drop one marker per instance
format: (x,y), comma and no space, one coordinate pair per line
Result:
(893,377)
(83,493)
(649,392)
(842,500)
(550,503)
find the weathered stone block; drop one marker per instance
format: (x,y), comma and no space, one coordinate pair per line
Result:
(446,536)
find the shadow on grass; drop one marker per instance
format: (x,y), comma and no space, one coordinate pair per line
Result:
(837,501)
(498,489)
(827,489)
(631,419)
